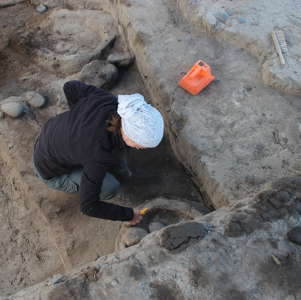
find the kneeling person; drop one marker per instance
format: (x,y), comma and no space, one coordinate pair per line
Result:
(74,151)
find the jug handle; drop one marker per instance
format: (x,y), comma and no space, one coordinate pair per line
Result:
(193,73)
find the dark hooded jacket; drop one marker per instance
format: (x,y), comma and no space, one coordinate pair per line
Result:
(78,138)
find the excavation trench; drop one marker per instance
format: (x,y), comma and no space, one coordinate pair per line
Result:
(221,149)
(42,231)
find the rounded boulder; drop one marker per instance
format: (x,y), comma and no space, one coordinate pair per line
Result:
(13,109)
(35,99)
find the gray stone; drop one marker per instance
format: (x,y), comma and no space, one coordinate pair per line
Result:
(155,226)
(34,99)
(294,235)
(13,109)
(99,73)
(1,115)
(175,236)
(133,236)
(121,59)
(41,8)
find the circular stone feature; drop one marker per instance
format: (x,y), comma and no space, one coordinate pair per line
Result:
(162,212)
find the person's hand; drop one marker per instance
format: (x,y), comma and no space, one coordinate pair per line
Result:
(136,218)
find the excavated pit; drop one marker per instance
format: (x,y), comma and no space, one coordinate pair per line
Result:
(234,139)
(42,232)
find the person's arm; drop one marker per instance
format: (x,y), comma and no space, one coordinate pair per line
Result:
(75,90)
(90,204)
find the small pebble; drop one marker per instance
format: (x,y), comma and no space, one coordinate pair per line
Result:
(134,235)
(13,109)
(41,8)
(99,73)
(34,99)
(155,226)
(114,282)
(294,235)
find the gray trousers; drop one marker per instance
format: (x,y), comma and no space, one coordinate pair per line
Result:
(70,183)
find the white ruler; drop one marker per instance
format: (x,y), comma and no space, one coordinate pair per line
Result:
(280,45)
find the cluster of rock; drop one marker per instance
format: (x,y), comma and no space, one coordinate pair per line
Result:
(15,106)
(161,213)
(83,51)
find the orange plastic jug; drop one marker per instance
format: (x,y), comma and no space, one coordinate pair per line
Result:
(197,78)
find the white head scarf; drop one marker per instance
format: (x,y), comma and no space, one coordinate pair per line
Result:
(140,121)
